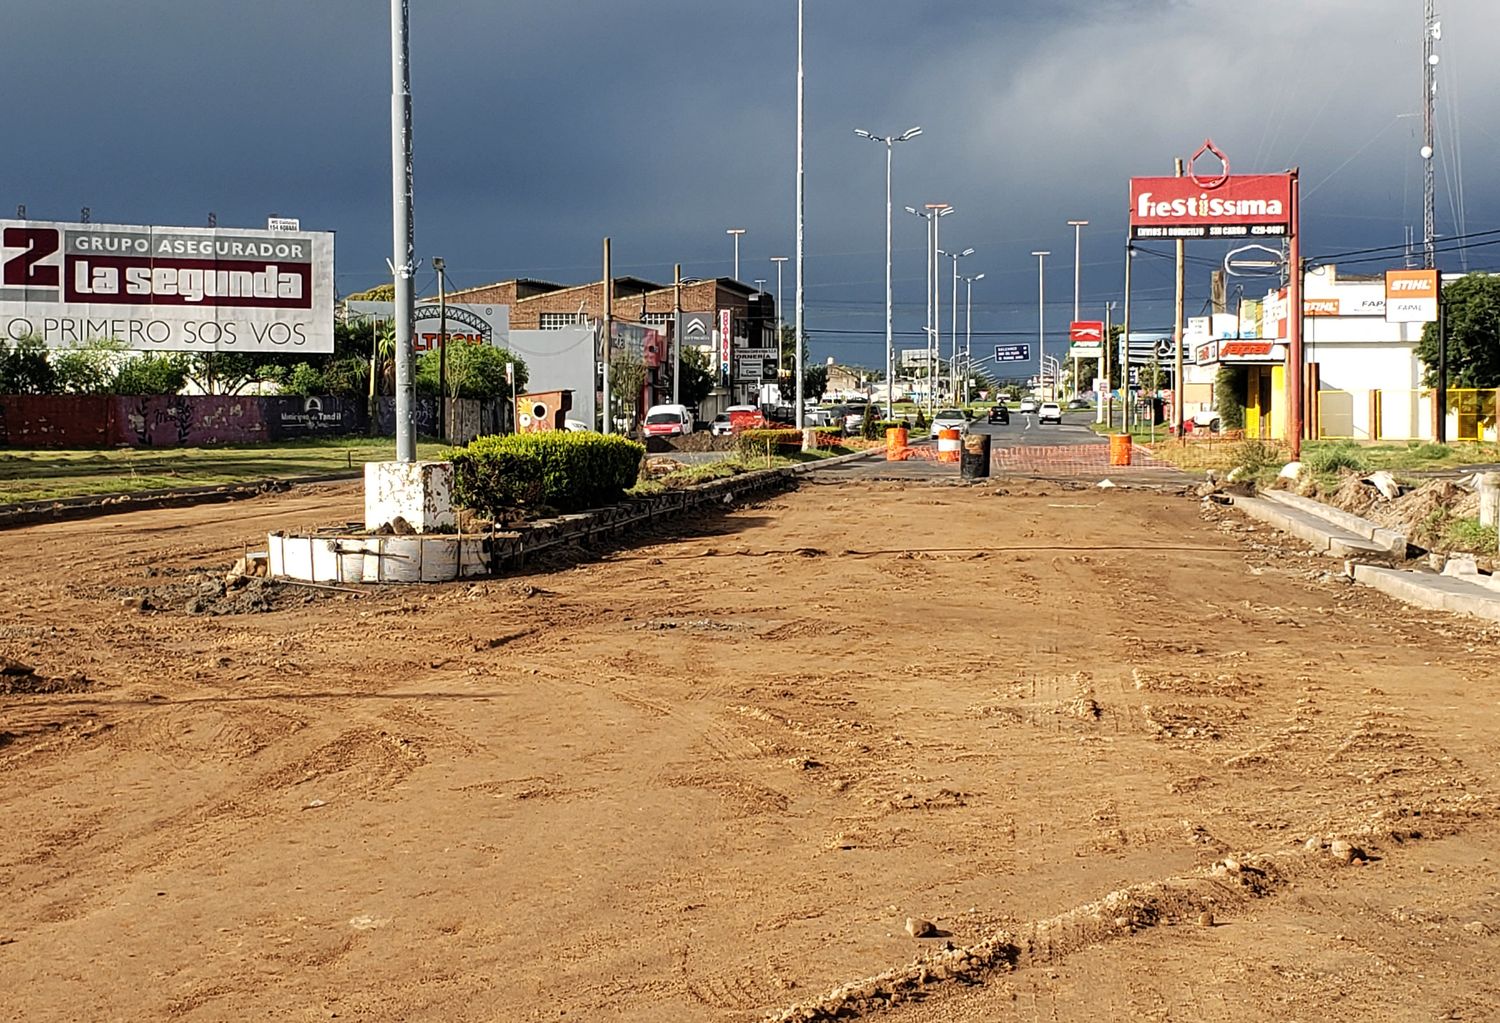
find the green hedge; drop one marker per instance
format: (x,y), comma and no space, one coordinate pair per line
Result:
(750,443)
(564,471)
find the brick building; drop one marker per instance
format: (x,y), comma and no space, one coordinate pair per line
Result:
(544,305)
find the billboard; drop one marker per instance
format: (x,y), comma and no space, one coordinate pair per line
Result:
(170,289)
(1411,296)
(1245,205)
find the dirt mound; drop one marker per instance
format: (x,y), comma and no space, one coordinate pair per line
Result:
(1354,495)
(18,679)
(208,594)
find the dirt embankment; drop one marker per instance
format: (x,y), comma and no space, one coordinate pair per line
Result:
(1128,756)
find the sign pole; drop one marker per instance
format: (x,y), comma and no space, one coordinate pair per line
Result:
(677,329)
(1294,383)
(1440,433)
(1178,405)
(605,342)
(1125,346)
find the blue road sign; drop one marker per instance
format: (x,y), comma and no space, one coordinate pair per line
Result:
(1012,353)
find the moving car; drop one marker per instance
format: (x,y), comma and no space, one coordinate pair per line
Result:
(1028,405)
(949,419)
(720,426)
(1074,403)
(668,421)
(999,414)
(1049,412)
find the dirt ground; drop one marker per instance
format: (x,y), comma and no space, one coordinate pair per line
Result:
(1111,744)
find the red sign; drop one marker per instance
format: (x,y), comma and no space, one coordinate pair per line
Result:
(1320,307)
(724,329)
(1086,332)
(1245,205)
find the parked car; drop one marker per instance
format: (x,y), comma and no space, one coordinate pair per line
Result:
(1207,419)
(816,417)
(853,418)
(948,419)
(720,427)
(577,426)
(745,417)
(999,413)
(1049,412)
(1075,403)
(668,421)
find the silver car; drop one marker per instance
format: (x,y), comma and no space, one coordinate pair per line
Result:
(949,419)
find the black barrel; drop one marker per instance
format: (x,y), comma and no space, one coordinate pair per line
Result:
(974,459)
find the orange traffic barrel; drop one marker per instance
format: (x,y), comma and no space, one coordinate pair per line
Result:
(949,449)
(895,444)
(1119,449)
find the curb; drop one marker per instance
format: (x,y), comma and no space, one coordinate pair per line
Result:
(1388,539)
(1442,593)
(1323,536)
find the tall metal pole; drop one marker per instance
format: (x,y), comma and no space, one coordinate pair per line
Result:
(606,342)
(1296,359)
(780,261)
(441,267)
(1429,95)
(927,334)
(403,232)
(1041,318)
(1104,401)
(1178,406)
(1125,346)
(968,331)
(953,335)
(937,313)
(797,341)
(1077,226)
(890,333)
(677,333)
(735,233)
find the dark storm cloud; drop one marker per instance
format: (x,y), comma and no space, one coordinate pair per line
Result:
(542,127)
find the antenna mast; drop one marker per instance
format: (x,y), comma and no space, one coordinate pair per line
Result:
(1432,31)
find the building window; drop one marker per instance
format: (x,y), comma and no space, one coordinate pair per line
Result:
(655,319)
(557,321)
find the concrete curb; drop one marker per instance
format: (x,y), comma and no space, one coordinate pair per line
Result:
(1443,593)
(1322,535)
(1389,539)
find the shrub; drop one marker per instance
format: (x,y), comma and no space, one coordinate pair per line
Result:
(1469,535)
(1334,458)
(151,374)
(1256,456)
(869,426)
(529,471)
(759,443)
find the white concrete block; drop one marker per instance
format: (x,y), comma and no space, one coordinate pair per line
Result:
(419,492)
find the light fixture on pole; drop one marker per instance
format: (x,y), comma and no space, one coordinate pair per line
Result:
(1077,226)
(933,211)
(969,331)
(889,141)
(1041,314)
(953,334)
(736,232)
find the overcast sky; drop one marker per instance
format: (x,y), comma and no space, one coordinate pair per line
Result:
(543,126)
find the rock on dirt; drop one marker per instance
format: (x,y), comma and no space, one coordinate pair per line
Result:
(919,928)
(17,679)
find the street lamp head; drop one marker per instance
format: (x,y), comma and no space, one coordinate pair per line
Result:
(779,259)
(967,252)
(1078,223)
(976,277)
(1045,252)
(438,263)
(863,134)
(735,230)
(946,210)
(909,133)
(914,213)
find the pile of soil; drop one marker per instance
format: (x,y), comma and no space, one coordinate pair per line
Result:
(701,440)
(205,593)
(18,679)
(1420,514)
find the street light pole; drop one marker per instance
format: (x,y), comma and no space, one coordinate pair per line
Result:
(736,232)
(441,266)
(780,319)
(969,331)
(890,379)
(1077,226)
(953,336)
(1041,316)
(797,341)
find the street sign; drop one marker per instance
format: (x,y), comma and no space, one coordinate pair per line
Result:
(283,224)
(1012,353)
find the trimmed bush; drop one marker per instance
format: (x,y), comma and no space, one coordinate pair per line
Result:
(560,470)
(759,443)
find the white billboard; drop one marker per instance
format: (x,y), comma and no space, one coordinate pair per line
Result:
(171,289)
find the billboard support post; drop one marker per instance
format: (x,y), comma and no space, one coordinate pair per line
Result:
(1295,357)
(1180,290)
(1440,432)
(402,255)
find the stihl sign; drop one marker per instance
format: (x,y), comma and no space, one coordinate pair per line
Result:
(1256,205)
(1411,296)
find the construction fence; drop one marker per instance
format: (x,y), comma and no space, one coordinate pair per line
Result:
(1394,414)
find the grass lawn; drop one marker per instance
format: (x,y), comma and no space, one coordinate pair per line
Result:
(37,475)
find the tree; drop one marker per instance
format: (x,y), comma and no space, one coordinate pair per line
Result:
(1471,307)
(90,368)
(24,368)
(474,371)
(814,380)
(694,378)
(379,293)
(151,374)
(1153,376)
(627,376)
(232,372)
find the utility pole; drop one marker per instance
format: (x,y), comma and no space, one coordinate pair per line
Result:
(1077,226)
(441,265)
(1432,31)
(801,209)
(1181,293)
(1125,346)
(605,343)
(403,232)
(1041,319)
(677,333)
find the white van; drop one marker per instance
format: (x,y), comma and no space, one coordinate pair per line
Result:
(668,421)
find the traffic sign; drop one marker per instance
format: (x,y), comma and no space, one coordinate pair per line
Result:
(1012,353)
